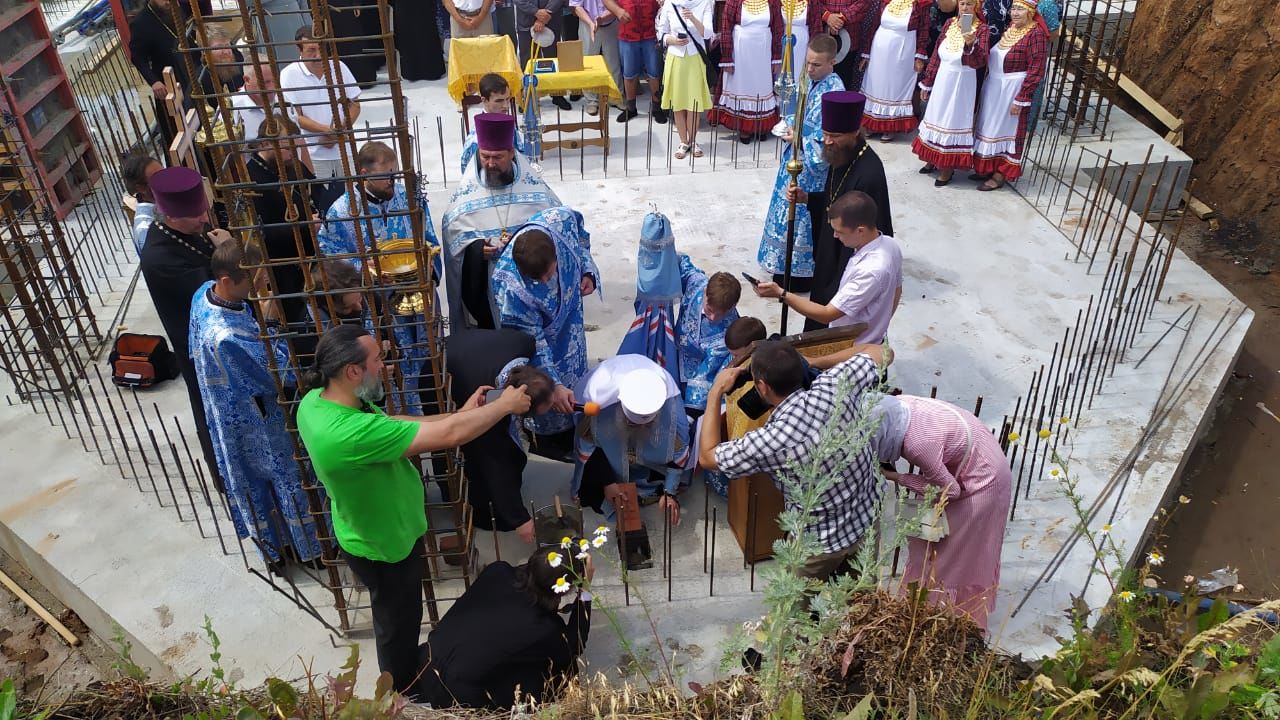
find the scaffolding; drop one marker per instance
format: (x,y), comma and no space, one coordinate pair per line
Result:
(398,287)
(50,326)
(1084,67)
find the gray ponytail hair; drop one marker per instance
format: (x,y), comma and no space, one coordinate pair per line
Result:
(338,348)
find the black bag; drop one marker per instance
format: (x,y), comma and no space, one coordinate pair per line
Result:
(141,361)
(710,57)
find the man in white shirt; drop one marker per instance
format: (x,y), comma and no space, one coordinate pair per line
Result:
(258,97)
(307,91)
(469,18)
(871,286)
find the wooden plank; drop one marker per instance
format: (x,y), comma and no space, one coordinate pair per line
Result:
(1199,208)
(1149,103)
(39,609)
(1129,87)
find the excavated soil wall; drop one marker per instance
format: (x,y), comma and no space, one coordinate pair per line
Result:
(1216,64)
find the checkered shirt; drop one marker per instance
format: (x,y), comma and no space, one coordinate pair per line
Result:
(787,441)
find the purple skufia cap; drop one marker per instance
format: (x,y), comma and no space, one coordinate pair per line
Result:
(495,131)
(179,192)
(842,111)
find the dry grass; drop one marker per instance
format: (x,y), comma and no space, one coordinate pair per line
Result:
(900,651)
(905,651)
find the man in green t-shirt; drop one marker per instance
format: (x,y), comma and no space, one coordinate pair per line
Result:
(363,458)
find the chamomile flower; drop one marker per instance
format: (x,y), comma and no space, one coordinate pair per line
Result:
(1044,433)
(1055,472)
(1013,437)
(584,549)
(1184,500)
(1106,529)
(599,541)
(601,531)
(554,559)
(1154,558)
(1125,595)
(566,542)
(562,585)
(1064,420)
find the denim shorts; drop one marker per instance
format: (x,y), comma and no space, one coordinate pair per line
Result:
(640,57)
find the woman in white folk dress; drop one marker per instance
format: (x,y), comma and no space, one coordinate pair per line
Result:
(1015,68)
(750,57)
(950,86)
(806,21)
(896,47)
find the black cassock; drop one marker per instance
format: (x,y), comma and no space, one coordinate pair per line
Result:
(277,232)
(829,256)
(175,266)
(418,40)
(353,19)
(493,640)
(494,463)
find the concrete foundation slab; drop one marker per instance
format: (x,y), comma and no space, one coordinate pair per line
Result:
(988,289)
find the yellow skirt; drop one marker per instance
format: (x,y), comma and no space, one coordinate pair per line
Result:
(684,84)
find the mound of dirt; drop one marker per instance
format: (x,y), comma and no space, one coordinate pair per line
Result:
(1216,64)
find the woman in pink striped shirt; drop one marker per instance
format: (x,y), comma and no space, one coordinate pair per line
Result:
(955,453)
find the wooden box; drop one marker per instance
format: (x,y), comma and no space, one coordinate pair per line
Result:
(754,505)
(569,56)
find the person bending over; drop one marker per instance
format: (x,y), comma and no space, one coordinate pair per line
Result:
(504,639)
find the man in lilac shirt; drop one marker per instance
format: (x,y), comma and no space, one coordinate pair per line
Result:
(871,286)
(598,31)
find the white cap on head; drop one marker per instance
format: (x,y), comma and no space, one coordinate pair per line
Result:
(642,394)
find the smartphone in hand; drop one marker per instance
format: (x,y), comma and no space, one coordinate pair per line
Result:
(750,279)
(966,23)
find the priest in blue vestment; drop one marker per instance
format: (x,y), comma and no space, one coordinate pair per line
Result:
(245,420)
(539,283)
(639,435)
(500,191)
(653,332)
(772,256)
(357,224)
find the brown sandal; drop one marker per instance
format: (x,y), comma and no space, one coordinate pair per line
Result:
(990,185)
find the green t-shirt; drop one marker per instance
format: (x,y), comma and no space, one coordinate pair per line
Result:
(377,495)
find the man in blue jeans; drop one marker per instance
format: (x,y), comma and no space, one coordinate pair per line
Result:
(638,50)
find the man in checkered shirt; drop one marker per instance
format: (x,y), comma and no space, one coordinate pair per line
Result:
(787,442)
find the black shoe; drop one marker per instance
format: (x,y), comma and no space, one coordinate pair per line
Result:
(928,168)
(660,116)
(576,97)
(627,114)
(746,139)
(979,177)
(561,103)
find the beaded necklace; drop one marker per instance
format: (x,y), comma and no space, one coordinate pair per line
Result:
(954,39)
(1013,35)
(898,8)
(207,255)
(834,188)
(168,29)
(756,7)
